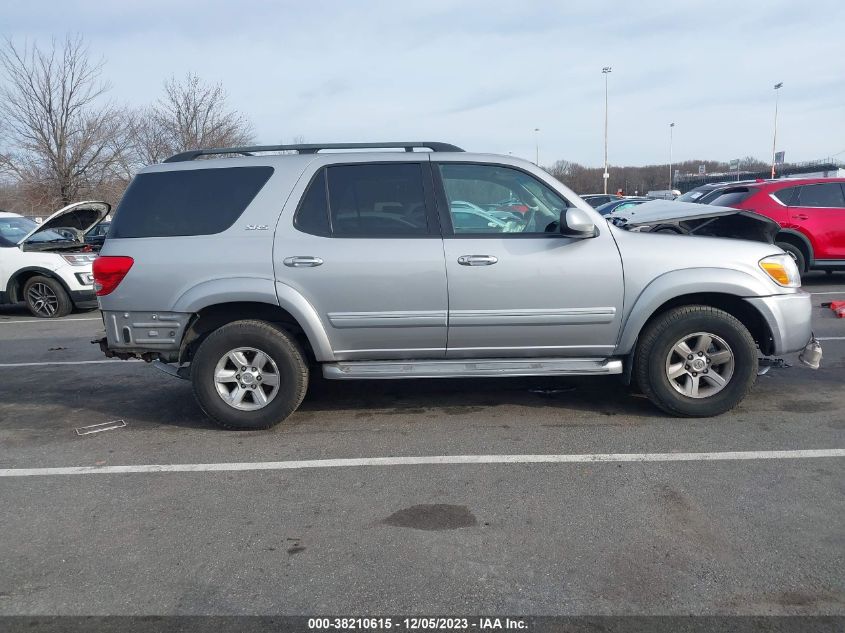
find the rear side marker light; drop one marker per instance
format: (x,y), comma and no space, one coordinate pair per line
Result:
(109,271)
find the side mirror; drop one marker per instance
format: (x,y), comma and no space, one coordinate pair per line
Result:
(576,222)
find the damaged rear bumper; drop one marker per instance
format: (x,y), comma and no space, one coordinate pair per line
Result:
(145,335)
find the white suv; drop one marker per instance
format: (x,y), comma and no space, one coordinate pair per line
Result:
(48,265)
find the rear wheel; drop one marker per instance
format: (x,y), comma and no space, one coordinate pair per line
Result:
(249,375)
(696,361)
(795,253)
(46,298)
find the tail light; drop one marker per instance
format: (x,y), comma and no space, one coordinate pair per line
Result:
(109,271)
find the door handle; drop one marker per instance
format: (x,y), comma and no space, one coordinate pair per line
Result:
(477,260)
(302,261)
(801,216)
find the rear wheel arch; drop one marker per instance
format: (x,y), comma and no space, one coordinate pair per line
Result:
(213,317)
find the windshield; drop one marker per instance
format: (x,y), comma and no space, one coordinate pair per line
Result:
(692,195)
(14,229)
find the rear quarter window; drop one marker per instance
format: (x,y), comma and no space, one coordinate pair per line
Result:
(786,195)
(187,202)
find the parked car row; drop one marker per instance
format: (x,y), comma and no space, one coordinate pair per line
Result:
(48,265)
(809,214)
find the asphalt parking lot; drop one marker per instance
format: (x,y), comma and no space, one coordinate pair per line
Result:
(758,535)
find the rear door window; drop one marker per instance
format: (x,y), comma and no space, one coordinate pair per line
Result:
(821,195)
(187,202)
(377,200)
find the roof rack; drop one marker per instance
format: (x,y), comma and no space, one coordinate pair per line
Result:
(312,148)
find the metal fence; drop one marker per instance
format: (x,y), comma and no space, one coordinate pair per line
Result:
(684,184)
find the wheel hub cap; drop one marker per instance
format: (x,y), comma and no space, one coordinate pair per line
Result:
(700,365)
(246,379)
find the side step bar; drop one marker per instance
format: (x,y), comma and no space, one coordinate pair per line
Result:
(471,368)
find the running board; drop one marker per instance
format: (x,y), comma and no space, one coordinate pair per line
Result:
(471,368)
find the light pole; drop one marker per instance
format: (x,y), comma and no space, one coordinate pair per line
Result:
(671,129)
(537,146)
(778,86)
(605,71)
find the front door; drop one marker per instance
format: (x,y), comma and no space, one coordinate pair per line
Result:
(517,287)
(365,250)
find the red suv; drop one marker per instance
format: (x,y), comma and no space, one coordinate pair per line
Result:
(810,211)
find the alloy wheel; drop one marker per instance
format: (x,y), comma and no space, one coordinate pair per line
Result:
(43,299)
(700,365)
(246,379)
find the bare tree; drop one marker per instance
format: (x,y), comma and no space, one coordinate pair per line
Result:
(190,115)
(64,140)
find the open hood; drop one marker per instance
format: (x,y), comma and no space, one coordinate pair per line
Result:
(79,217)
(690,218)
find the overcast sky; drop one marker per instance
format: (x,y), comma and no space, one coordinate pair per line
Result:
(484,74)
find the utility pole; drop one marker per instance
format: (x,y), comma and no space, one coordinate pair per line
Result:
(671,180)
(605,71)
(537,146)
(778,86)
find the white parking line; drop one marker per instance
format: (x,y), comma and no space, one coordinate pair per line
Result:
(49,321)
(69,362)
(427,460)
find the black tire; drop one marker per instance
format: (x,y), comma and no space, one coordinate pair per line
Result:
(46,298)
(278,345)
(657,341)
(796,254)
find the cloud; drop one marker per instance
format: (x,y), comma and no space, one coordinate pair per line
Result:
(484,74)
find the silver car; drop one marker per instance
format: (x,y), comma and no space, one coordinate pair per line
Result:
(247,270)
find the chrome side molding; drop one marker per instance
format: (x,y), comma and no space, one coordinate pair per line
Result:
(471,368)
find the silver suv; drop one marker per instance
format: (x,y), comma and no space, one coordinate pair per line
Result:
(248,269)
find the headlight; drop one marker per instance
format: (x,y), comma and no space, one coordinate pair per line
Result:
(782,269)
(79,259)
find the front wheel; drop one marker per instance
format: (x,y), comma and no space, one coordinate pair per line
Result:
(696,361)
(249,375)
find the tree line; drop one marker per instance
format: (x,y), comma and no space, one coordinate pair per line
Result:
(639,180)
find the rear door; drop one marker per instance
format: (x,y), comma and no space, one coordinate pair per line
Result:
(517,287)
(819,213)
(363,246)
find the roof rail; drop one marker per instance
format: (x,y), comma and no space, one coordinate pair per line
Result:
(312,148)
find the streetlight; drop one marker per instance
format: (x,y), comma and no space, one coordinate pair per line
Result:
(671,129)
(537,146)
(778,86)
(605,71)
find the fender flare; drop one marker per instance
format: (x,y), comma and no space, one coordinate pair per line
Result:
(260,290)
(801,238)
(11,293)
(677,283)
